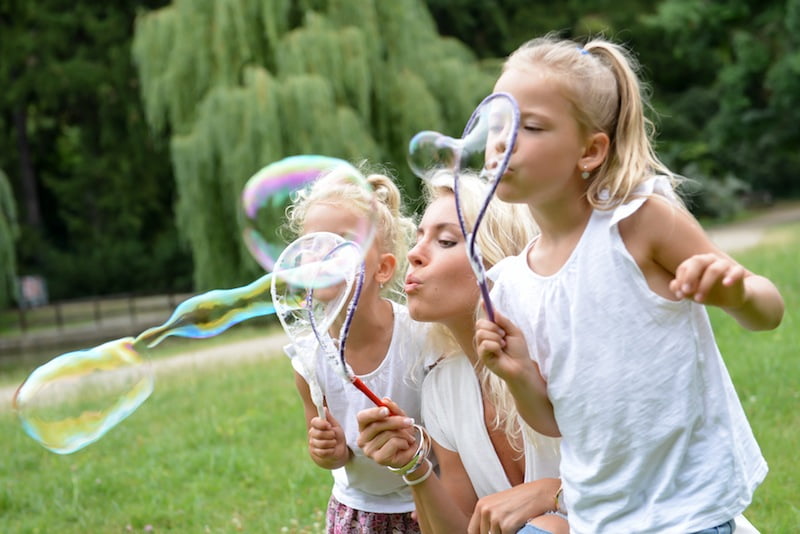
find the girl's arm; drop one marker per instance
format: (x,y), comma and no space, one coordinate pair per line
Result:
(326,441)
(502,348)
(679,261)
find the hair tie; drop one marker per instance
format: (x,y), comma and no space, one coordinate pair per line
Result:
(582,50)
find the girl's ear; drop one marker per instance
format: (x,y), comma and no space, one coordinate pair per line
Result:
(595,151)
(386,267)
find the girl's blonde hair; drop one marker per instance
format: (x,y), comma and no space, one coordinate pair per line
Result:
(505,231)
(600,80)
(394,229)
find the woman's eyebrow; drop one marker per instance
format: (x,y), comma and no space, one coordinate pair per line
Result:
(439,227)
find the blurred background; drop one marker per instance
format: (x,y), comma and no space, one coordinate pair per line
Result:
(128,129)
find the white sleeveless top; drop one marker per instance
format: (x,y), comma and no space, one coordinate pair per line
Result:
(452,411)
(362,484)
(654,435)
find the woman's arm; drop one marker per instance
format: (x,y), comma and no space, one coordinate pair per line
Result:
(444,503)
(507,511)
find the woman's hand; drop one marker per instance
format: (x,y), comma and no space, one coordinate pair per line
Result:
(326,442)
(507,511)
(389,440)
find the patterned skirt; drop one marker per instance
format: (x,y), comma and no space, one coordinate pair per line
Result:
(342,519)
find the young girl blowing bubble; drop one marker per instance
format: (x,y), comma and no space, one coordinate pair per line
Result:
(381,345)
(609,302)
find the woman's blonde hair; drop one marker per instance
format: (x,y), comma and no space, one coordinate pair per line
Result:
(394,229)
(600,80)
(505,230)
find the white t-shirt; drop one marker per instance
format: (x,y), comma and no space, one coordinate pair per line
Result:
(363,484)
(654,435)
(452,411)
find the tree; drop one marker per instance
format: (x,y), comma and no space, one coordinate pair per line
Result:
(9,232)
(94,190)
(237,84)
(728,77)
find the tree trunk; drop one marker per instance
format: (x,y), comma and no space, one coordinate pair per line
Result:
(30,192)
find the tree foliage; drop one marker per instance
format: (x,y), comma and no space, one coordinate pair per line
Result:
(237,84)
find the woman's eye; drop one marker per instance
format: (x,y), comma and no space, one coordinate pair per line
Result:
(446,243)
(532,128)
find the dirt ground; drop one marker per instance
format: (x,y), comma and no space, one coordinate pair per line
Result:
(731,238)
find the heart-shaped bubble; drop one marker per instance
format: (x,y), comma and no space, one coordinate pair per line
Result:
(483,149)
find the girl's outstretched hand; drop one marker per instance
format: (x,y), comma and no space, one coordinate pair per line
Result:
(712,279)
(326,442)
(389,440)
(502,348)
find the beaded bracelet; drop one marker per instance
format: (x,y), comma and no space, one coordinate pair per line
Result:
(421,479)
(420,455)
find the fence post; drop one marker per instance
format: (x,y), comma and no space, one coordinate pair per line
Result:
(23,321)
(98,317)
(59,316)
(132,308)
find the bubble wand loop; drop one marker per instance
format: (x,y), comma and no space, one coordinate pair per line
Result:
(335,356)
(493,178)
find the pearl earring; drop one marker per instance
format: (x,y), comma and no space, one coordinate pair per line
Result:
(380,285)
(585,174)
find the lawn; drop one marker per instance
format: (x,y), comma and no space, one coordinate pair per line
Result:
(224,449)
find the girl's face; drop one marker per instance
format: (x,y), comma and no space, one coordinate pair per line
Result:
(549,142)
(440,284)
(333,218)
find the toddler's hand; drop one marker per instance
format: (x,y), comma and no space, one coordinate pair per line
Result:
(710,279)
(326,442)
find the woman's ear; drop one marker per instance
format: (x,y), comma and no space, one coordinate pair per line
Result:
(386,268)
(595,151)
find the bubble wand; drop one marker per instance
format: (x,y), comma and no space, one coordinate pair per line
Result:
(495,120)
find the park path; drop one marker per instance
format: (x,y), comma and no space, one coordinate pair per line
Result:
(730,238)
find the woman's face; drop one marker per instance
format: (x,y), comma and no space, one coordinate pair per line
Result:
(440,284)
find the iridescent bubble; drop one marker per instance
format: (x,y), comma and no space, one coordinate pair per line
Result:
(274,189)
(76,398)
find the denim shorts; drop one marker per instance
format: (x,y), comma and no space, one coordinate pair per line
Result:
(530,529)
(725,528)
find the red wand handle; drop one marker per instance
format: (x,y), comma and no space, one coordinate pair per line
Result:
(368,392)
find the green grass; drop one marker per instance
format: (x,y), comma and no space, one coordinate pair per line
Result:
(765,368)
(217,451)
(225,450)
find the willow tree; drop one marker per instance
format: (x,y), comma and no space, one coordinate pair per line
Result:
(237,84)
(8,235)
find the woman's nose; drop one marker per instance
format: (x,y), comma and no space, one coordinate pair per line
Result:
(415,255)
